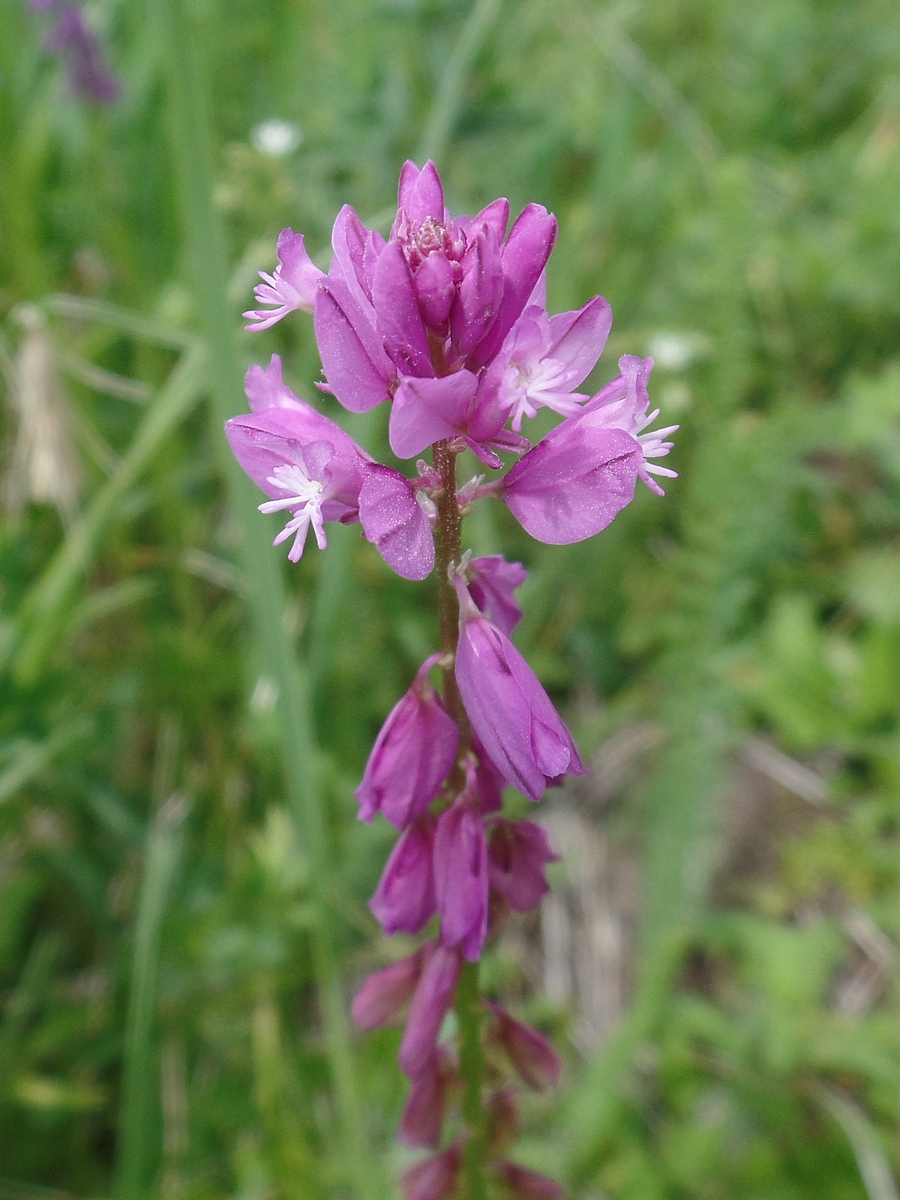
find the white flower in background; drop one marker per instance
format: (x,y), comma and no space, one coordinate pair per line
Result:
(672,351)
(276,138)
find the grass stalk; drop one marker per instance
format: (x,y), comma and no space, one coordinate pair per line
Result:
(261,566)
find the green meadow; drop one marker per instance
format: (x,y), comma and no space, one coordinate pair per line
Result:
(184,715)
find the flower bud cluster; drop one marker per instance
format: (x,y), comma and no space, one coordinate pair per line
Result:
(445,321)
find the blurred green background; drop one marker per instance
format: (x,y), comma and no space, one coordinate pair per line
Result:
(184,717)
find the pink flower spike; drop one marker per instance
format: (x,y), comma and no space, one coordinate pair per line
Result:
(492,581)
(574,481)
(293,285)
(385,992)
(430,1004)
(412,756)
(510,712)
(518,853)
(535,1060)
(461,877)
(404,901)
(423,1114)
(519,1183)
(433,1178)
(395,523)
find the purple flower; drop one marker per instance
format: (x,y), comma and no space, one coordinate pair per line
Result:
(461,875)
(358,370)
(510,712)
(383,994)
(535,1060)
(574,481)
(412,756)
(308,465)
(518,853)
(433,1178)
(492,581)
(430,1004)
(622,404)
(404,901)
(78,49)
(293,285)
(518,1183)
(395,522)
(544,358)
(423,1114)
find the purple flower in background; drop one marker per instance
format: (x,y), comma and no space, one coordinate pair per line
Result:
(412,756)
(433,1178)
(80,53)
(384,993)
(423,1114)
(518,1183)
(511,713)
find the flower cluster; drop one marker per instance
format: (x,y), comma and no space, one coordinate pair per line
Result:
(78,49)
(445,321)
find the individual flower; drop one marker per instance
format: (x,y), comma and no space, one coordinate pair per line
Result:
(394,520)
(492,582)
(293,285)
(404,901)
(385,992)
(431,1002)
(78,49)
(574,481)
(412,756)
(306,463)
(433,1178)
(423,1113)
(622,404)
(461,875)
(518,852)
(518,1183)
(544,358)
(535,1060)
(510,712)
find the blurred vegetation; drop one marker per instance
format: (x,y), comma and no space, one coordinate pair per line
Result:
(182,881)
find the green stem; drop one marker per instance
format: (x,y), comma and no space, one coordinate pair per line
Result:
(471,1065)
(468,997)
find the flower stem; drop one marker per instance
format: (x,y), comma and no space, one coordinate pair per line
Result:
(468,997)
(471,1064)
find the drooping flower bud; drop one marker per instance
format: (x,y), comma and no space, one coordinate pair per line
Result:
(385,992)
(461,876)
(412,756)
(423,1114)
(518,1183)
(535,1060)
(404,901)
(492,581)
(510,712)
(430,1004)
(434,1178)
(518,853)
